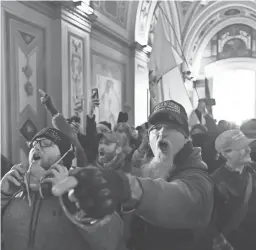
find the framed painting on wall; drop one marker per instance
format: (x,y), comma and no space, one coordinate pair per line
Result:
(108,77)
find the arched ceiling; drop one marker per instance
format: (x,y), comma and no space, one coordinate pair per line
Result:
(202,20)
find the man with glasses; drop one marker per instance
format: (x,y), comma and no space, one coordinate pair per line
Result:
(172,200)
(32,217)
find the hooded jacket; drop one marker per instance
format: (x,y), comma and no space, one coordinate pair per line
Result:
(44,226)
(173,214)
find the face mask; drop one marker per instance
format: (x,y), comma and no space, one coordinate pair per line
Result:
(198,140)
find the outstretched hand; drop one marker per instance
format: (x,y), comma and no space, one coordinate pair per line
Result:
(98,193)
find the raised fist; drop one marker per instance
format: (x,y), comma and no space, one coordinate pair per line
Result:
(97,192)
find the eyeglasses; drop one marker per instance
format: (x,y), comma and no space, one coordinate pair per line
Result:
(44,143)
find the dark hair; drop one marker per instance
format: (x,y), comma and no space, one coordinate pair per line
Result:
(74,118)
(107,124)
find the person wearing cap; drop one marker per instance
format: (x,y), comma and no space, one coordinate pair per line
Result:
(172,200)
(32,217)
(111,151)
(234,181)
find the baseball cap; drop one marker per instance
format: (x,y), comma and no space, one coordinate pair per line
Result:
(232,140)
(114,137)
(170,111)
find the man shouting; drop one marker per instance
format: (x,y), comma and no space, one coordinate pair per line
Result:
(172,200)
(32,217)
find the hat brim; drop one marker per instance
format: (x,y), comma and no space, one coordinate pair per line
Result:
(243,144)
(166,115)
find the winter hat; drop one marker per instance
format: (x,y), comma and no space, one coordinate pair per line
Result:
(170,111)
(199,127)
(107,124)
(61,140)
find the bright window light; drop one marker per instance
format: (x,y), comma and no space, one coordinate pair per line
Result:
(234,91)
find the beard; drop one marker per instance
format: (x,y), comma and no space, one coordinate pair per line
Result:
(160,166)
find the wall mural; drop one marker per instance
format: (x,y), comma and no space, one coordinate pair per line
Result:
(108,77)
(26,57)
(76,75)
(117,11)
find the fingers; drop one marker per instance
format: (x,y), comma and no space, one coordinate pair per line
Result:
(64,186)
(13,180)
(22,169)
(16,175)
(43,94)
(59,168)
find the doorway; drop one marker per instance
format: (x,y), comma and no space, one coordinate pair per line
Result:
(235,94)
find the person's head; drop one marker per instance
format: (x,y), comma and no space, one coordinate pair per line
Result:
(49,146)
(168,133)
(223,125)
(103,127)
(198,135)
(234,146)
(249,129)
(110,145)
(124,128)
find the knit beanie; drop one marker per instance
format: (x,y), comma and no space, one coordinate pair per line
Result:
(61,140)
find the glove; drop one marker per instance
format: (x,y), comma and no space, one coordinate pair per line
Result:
(99,192)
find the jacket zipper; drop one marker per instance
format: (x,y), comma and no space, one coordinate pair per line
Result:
(34,219)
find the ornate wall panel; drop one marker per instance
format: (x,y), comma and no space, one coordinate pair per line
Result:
(108,76)
(76,52)
(26,74)
(117,11)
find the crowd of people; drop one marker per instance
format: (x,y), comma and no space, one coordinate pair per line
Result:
(161,186)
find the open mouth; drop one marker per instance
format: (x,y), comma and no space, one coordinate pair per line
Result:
(102,153)
(163,145)
(36,157)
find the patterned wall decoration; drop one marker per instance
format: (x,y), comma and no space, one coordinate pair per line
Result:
(26,74)
(117,11)
(236,40)
(76,73)
(108,77)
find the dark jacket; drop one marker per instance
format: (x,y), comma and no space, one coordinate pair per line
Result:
(174,214)
(44,226)
(236,215)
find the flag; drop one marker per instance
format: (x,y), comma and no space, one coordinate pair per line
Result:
(163,56)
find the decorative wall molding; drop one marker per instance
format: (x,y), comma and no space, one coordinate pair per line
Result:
(76,60)
(121,45)
(46,8)
(25,43)
(144,16)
